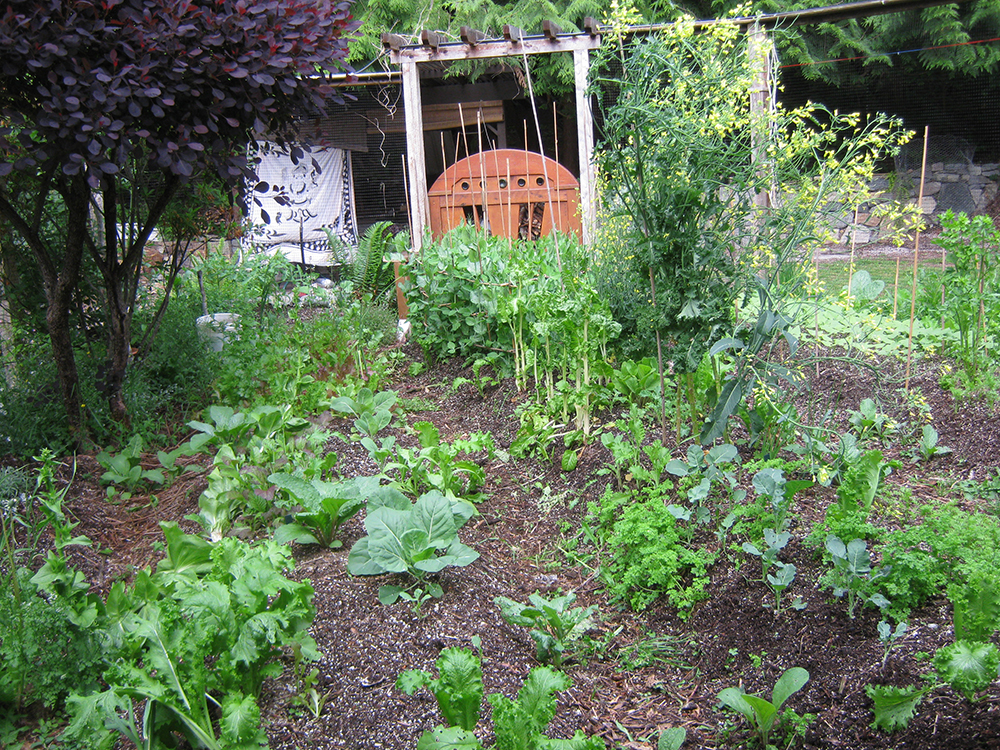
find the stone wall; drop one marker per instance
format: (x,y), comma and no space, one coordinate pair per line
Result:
(957,186)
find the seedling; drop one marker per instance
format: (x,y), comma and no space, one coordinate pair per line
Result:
(771,483)
(554,623)
(890,638)
(785,574)
(928,446)
(517,723)
(760,713)
(775,541)
(852,572)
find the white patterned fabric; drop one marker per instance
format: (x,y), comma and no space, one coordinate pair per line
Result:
(318,193)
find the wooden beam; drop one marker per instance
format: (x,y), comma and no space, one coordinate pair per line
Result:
(431,39)
(471,36)
(394,42)
(471,92)
(484,50)
(591,26)
(512,33)
(550,31)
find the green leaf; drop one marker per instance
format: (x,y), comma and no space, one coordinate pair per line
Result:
(967,666)
(388,595)
(360,561)
(791,682)
(240,722)
(186,554)
(764,713)
(294,532)
(459,690)
(735,699)
(671,739)
(448,738)
(412,680)
(537,696)
(516,613)
(893,706)
(301,490)
(725,407)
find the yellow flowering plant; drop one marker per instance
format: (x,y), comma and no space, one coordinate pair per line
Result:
(721,202)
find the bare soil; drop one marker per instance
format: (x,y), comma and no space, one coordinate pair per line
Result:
(530,512)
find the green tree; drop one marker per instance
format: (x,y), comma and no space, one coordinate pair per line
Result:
(943,34)
(552,74)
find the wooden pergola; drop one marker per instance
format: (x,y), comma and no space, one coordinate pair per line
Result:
(473,46)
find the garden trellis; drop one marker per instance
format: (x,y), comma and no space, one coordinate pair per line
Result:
(475,47)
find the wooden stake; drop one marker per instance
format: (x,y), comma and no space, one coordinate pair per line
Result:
(916,253)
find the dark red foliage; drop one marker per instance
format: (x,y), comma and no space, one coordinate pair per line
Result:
(88,84)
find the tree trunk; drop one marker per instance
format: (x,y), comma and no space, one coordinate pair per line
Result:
(59,288)
(121,284)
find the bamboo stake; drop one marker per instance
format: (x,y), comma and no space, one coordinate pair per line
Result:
(895,290)
(556,216)
(816,314)
(461,118)
(545,170)
(850,267)
(448,193)
(510,214)
(504,228)
(916,252)
(484,191)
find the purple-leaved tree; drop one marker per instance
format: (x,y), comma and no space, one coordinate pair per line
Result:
(94,92)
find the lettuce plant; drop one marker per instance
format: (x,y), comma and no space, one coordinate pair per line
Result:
(197,639)
(518,724)
(458,689)
(967,666)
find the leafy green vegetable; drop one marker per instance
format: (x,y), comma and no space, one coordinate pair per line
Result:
(762,713)
(458,690)
(852,572)
(517,724)
(204,631)
(894,706)
(324,506)
(967,666)
(554,623)
(417,539)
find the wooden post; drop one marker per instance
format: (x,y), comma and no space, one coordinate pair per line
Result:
(416,165)
(585,143)
(759,53)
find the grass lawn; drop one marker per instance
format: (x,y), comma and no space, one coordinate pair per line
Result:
(833,274)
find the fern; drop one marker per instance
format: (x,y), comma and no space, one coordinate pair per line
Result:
(371,275)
